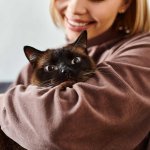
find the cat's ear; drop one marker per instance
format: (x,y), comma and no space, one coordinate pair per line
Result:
(82,40)
(32,54)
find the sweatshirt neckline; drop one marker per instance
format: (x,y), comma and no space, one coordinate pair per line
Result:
(105,37)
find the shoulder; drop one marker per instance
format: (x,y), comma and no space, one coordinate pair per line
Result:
(141,39)
(133,50)
(24,75)
(139,36)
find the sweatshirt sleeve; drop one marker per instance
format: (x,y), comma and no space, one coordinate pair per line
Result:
(109,111)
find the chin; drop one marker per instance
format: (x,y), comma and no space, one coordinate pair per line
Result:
(72,36)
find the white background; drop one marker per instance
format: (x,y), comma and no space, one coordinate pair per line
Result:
(24,22)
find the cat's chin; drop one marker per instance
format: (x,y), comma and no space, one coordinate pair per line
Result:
(66,84)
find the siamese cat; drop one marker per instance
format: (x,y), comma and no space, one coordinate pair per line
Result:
(65,66)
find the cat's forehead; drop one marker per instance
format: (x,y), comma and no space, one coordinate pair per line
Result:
(51,55)
(61,53)
(75,48)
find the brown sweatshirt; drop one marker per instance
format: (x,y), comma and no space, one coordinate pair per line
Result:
(110,111)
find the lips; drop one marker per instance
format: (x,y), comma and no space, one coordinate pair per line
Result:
(78,25)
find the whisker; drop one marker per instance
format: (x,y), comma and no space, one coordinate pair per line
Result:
(46,81)
(88,73)
(50,82)
(85,75)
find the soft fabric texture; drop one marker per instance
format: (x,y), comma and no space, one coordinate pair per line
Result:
(110,111)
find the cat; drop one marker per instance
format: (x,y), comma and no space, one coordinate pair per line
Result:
(62,66)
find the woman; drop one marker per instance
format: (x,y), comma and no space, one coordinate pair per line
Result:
(110,111)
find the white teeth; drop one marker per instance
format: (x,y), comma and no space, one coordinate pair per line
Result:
(77,24)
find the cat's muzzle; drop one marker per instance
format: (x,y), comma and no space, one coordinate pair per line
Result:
(67,73)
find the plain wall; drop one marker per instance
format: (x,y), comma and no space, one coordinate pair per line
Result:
(24,22)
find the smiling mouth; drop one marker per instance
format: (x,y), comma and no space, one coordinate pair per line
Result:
(78,25)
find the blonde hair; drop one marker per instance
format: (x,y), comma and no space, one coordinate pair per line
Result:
(136,18)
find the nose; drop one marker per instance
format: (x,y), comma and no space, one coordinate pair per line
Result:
(76,7)
(66,71)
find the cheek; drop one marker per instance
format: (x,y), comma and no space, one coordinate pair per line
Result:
(61,6)
(104,16)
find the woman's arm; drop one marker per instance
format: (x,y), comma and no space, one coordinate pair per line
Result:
(109,111)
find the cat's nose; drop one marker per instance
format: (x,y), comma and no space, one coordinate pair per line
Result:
(66,71)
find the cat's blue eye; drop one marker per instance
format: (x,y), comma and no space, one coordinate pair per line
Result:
(76,60)
(50,68)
